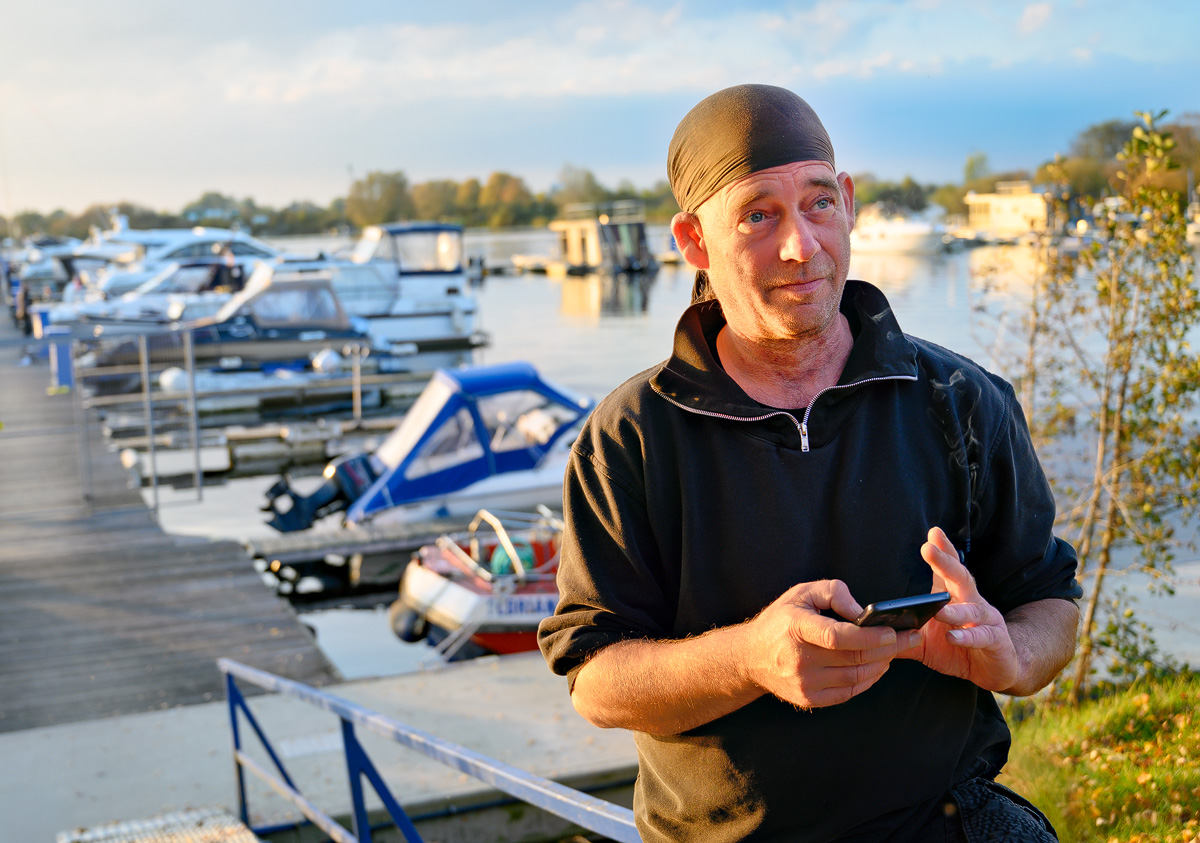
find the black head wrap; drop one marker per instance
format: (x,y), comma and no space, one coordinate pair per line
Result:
(736,132)
(739,131)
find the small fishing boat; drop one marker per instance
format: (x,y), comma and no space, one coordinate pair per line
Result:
(483,591)
(477,438)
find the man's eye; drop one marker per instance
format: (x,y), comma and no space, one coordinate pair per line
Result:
(823,203)
(755,217)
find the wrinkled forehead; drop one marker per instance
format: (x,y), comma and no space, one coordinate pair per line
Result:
(740,131)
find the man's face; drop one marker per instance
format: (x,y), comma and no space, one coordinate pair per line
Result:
(777,244)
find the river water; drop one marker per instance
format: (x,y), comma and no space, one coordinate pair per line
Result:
(590,334)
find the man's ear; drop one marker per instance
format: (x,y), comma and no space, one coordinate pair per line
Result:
(685,228)
(847,185)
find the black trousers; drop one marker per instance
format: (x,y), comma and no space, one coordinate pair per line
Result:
(982,811)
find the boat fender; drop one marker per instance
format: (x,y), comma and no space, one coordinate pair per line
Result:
(327,361)
(408,624)
(173,379)
(501,565)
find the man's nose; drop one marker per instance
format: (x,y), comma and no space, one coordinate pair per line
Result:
(799,240)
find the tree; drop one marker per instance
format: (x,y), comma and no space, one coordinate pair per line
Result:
(576,185)
(435,200)
(1103,141)
(975,168)
(1107,358)
(506,200)
(908,195)
(379,197)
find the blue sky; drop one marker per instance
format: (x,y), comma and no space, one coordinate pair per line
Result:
(156,102)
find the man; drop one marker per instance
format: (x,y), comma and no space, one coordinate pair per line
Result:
(798,457)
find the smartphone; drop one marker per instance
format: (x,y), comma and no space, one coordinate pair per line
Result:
(904,613)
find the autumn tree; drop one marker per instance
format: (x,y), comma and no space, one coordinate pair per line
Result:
(379,197)
(436,200)
(1115,380)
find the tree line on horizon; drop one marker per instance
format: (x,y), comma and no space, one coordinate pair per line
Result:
(505,200)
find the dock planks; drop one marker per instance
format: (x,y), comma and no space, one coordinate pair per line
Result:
(101,612)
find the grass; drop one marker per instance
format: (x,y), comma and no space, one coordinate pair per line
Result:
(1122,768)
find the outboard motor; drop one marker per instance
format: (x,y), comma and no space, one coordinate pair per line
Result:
(347,478)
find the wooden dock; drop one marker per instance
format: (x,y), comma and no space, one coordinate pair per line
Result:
(101,612)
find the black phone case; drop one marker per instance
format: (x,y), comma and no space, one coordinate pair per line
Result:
(905,612)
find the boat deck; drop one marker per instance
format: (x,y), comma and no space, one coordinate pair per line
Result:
(101,612)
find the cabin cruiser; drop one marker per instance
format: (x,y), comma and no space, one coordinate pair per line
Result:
(275,320)
(407,280)
(875,230)
(189,244)
(178,292)
(479,437)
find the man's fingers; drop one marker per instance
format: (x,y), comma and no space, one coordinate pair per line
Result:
(977,637)
(963,614)
(830,634)
(941,555)
(851,682)
(825,594)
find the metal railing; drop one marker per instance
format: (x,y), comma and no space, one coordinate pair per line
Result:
(588,812)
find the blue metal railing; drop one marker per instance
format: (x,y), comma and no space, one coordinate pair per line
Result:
(586,811)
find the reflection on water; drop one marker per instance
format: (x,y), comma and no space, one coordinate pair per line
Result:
(591,334)
(605,294)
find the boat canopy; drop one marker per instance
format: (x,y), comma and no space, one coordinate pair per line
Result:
(466,425)
(273,300)
(416,247)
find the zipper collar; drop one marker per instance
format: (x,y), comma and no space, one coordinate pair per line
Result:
(694,381)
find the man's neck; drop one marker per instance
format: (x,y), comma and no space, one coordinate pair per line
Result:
(786,373)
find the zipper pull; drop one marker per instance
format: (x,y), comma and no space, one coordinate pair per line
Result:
(803,436)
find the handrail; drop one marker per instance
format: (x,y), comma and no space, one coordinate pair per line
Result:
(597,815)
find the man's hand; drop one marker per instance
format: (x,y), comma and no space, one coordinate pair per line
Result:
(789,649)
(968,638)
(810,660)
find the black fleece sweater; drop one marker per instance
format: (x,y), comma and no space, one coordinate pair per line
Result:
(690,506)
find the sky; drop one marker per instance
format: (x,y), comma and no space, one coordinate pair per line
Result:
(157,102)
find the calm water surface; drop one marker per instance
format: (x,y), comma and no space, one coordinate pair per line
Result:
(591,334)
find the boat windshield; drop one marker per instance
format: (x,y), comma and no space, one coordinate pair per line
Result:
(367,245)
(522,419)
(175,279)
(429,251)
(424,410)
(300,305)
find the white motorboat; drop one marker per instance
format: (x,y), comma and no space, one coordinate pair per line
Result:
(877,231)
(408,282)
(178,292)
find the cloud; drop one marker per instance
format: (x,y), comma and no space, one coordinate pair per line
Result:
(1034,18)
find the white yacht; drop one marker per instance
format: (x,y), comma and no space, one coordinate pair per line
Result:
(877,231)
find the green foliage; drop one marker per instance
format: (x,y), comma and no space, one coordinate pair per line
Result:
(975,168)
(1111,387)
(906,195)
(1134,653)
(379,197)
(1121,767)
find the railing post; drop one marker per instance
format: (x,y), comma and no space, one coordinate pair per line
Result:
(233,697)
(358,804)
(148,407)
(85,449)
(193,416)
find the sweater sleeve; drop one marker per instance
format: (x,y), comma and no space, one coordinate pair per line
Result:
(609,574)
(1014,554)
